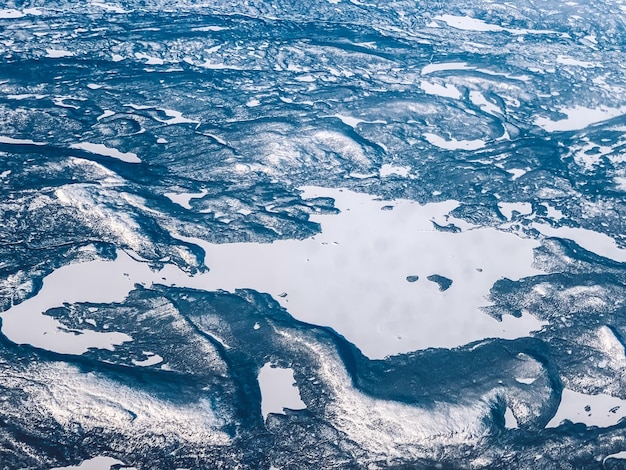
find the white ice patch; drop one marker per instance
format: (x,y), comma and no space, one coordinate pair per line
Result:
(354,122)
(58,53)
(388,170)
(477,98)
(507,208)
(207,64)
(175,117)
(516,172)
(278,390)
(25,96)
(467,23)
(510,422)
(101,149)
(618,455)
(210,28)
(11,14)
(577,63)
(150,60)
(184,199)
(592,410)
(60,102)
(591,154)
(526,380)
(105,114)
(453,144)
(579,117)
(553,213)
(447,90)
(96,463)
(12,141)
(430,68)
(151,360)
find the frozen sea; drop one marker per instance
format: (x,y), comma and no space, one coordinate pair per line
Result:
(351,234)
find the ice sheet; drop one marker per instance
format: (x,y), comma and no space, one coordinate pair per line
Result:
(11,140)
(101,149)
(453,144)
(579,117)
